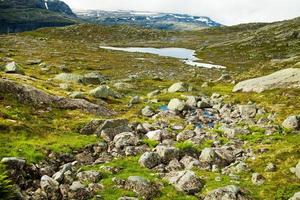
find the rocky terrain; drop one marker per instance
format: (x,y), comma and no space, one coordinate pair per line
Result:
(81,122)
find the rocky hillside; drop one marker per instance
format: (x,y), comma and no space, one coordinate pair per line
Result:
(16,16)
(165,21)
(81,122)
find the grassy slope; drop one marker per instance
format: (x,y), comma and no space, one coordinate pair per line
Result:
(33,132)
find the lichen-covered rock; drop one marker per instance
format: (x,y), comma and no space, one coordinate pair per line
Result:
(142,187)
(149,159)
(292,122)
(286,78)
(176,105)
(89,176)
(178,87)
(230,192)
(185,181)
(103,92)
(13,67)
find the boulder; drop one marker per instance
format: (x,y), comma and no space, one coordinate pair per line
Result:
(230,192)
(78,191)
(135,100)
(287,78)
(167,153)
(123,86)
(147,111)
(69,77)
(142,187)
(247,111)
(49,186)
(149,160)
(125,139)
(13,162)
(94,78)
(203,104)
(155,135)
(153,93)
(296,196)
(185,181)
(297,170)
(89,176)
(292,122)
(13,68)
(190,162)
(77,95)
(176,105)
(174,165)
(103,92)
(179,87)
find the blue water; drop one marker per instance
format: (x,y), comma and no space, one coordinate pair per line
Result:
(164,108)
(185,55)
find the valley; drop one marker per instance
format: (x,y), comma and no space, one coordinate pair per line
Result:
(81,122)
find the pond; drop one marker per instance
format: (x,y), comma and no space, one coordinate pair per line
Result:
(185,55)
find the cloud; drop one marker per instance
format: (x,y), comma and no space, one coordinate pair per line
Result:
(228,12)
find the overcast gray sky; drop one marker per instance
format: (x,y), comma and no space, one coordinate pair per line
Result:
(228,12)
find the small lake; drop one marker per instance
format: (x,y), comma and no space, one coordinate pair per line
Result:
(186,55)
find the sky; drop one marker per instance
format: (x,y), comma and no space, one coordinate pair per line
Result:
(227,12)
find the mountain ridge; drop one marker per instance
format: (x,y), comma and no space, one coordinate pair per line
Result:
(147,19)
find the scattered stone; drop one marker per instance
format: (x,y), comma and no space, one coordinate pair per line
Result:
(135,100)
(149,160)
(203,104)
(185,181)
(176,105)
(178,87)
(296,196)
(34,62)
(167,153)
(155,135)
(297,170)
(230,192)
(89,176)
(123,86)
(153,93)
(69,77)
(103,92)
(14,163)
(292,122)
(94,78)
(78,191)
(49,186)
(13,68)
(190,162)
(257,179)
(142,187)
(270,167)
(247,111)
(125,139)
(147,111)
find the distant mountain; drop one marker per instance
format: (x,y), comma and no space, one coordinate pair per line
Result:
(166,21)
(22,15)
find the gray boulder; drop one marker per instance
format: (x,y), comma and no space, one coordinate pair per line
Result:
(176,105)
(167,153)
(230,192)
(69,77)
(103,92)
(185,181)
(89,176)
(147,111)
(14,68)
(292,122)
(94,78)
(296,196)
(179,87)
(78,191)
(142,187)
(287,78)
(149,160)
(247,111)
(297,170)
(13,162)
(125,139)
(49,186)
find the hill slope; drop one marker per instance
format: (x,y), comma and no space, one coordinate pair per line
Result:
(22,15)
